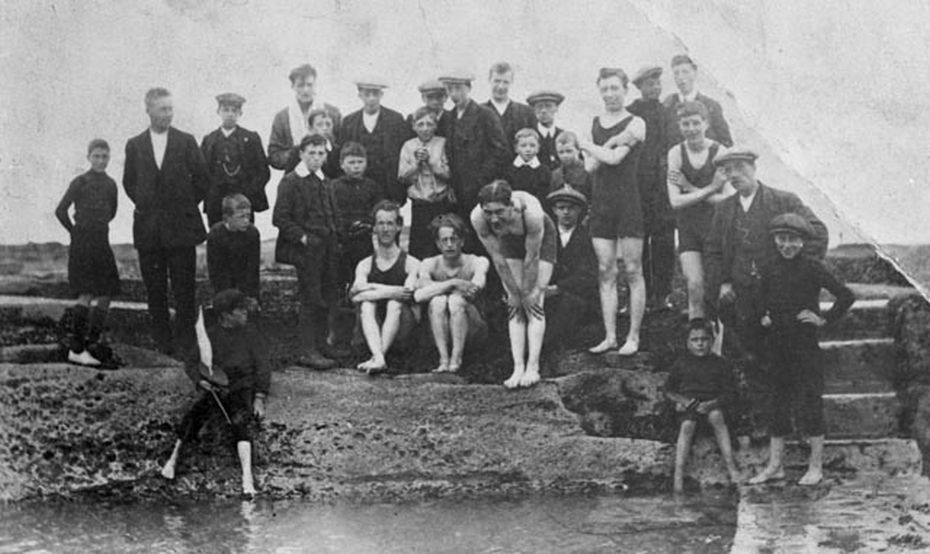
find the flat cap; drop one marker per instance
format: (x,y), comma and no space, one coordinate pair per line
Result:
(646,72)
(433,85)
(679,59)
(230,99)
(791,223)
(228,300)
(545,96)
(567,193)
(457,77)
(734,154)
(370,83)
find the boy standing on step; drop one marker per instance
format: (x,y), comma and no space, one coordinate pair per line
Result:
(790,295)
(92,272)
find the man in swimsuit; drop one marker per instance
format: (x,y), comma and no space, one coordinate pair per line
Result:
(450,283)
(522,242)
(383,288)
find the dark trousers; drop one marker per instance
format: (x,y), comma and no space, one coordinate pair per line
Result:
(796,383)
(238,406)
(179,265)
(566,313)
(659,261)
(316,291)
(744,342)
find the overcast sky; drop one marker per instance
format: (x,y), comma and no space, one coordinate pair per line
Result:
(833,94)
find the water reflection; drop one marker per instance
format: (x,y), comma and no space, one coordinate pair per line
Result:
(537,524)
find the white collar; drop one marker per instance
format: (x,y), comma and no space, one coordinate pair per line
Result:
(227,132)
(689,97)
(302,171)
(155,133)
(500,107)
(545,131)
(565,235)
(519,162)
(746,201)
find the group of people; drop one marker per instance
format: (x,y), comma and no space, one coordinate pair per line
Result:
(495,185)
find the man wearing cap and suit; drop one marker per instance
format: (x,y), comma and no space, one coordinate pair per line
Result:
(475,143)
(658,217)
(235,159)
(290,125)
(433,93)
(545,104)
(165,176)
(572,293)
(512,115)
(738,247)
(685,72)
(382,131)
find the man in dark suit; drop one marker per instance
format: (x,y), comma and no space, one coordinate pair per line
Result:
(545,104)
(737,248)
(571,298)
(685,72)
(513,115)
(166,177)
(235,159)
(382,131)
(475,143)
(291,124)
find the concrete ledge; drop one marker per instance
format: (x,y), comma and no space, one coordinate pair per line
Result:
(868,415)
(859,366)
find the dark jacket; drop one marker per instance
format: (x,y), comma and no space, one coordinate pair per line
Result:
(234,259)
(166,214)
(653,158)
(721,241)
(282,152)
(517,116)
(382,147)
(253,172)
(575,270)
(476,150)
(717,128)
(703,378)
(547,150)
(305,206)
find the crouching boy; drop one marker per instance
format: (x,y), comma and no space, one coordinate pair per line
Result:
(238,354)
(701,384)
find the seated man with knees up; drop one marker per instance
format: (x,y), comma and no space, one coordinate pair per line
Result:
(450,283)
(383,288)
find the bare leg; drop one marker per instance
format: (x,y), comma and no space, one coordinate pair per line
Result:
(458,324)
(814,473)
(367,314)
(693,269)
(516,328)
(774,468)
(685,436)
(632,251)
(168,470)
(391,325)
(535,331)
(717,421)
(606,251)
(439,323)
(244,449)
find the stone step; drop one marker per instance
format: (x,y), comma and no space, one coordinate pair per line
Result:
(867,318)
(861,416)
(859,365)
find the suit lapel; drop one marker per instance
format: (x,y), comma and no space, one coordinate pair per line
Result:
(148,151)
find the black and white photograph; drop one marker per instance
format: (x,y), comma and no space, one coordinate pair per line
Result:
(417,276)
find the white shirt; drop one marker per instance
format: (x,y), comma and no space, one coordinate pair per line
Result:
(545,132)
(302,171)
(227,132)
(520,162)
(690,97)
(746,201)
(159,145)
(500,107)
(565,235)
(370,120)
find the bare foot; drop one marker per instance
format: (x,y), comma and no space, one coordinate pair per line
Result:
(629,348)
(769,474)
(530,377)
(443,367)
(515,378)
(604,346)
(736,477)
(811,478)
(373,365)
(168,471)
(248,488)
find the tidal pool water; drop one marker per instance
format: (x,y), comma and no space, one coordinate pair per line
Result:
(537,524)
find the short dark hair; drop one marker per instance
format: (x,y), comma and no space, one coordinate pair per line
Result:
(235,202)
(311,117)
(450,220)
(500,68)
(352,149)
(694,107)
(497,190)
(681,59)
(388,206)
(97,143)
(154,94)
(314,139)
(608,72)
(302,72)
(524,133)
(567,137)
(422,112)
(701,324)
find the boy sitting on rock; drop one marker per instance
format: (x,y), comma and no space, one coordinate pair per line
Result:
(240,359)
(701,384)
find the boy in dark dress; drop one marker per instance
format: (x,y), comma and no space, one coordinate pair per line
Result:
(790,295)
(527,173)
(239,353)
(92,272)
(236,160)
(234,249)
(701,384)
(571,169)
